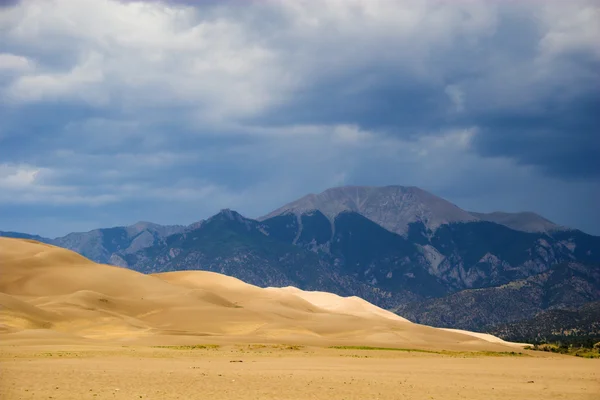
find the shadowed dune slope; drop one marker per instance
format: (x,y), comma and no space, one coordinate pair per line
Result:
(48,294)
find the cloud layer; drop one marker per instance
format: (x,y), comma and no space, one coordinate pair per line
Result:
(115,111)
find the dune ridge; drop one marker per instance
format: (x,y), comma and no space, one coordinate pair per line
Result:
(49,293)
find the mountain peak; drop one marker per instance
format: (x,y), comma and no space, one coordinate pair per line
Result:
(161,230)
(393,207)
(227,214)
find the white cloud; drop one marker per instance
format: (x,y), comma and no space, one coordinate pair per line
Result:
(457,97)
(571,28)
(14,62)
(350,134)
(81,83)
(17,176)
(109,179)
(27,184)
(145,55)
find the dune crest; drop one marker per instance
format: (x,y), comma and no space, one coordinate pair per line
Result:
(49,292)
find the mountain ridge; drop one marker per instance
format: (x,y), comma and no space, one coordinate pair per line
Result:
(430,259)
(103,244)
(395,207)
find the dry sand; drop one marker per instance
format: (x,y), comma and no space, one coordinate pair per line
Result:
(89,372)
(70,328)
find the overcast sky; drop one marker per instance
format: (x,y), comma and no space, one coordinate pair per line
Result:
(168,111)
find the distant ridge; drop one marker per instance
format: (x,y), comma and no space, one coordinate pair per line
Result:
(521,221)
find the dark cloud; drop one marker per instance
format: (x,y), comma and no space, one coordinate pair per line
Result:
(172,116)
(550,122)
(9,3)
(373,98)
(562,139)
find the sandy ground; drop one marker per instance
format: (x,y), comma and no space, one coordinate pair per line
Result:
(273,372)
(73,329)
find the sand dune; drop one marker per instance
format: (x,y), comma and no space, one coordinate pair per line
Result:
(344,305)
(48,292)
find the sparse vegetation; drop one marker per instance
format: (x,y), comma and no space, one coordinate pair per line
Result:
(497,353)
(191,347)
(381,349)
(65,354)
(568,349)
(442,352)
(271,347)
(291,347)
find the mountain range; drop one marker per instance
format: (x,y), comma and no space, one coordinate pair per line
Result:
(401,248)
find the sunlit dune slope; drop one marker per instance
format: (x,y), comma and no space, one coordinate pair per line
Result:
(343,305)
(53,290)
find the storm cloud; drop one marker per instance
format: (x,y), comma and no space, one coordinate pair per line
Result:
(116,111)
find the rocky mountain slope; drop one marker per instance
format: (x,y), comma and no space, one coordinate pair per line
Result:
(362,249)
(230,244)
(565,286)
(581,325)
(352,253)
(458,255)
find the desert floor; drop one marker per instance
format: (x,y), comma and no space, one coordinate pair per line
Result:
(73,329)
(251,371)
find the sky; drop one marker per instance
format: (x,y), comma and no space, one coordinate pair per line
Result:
(117,111)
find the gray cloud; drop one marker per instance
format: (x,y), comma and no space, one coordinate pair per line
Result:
(187,107)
